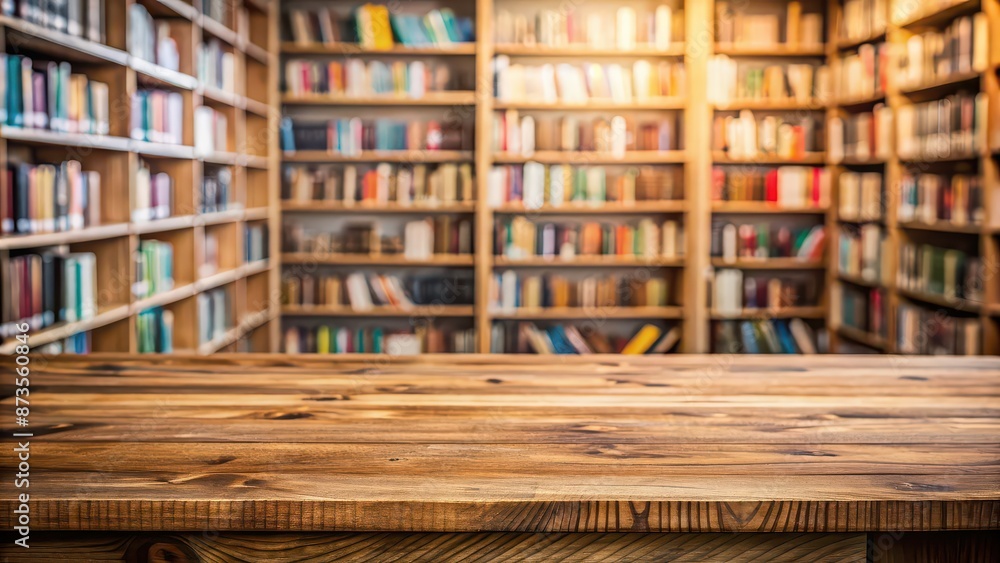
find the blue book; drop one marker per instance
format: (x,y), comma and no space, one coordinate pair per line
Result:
(785,337)
(560,344)
(287,135)
(750,344)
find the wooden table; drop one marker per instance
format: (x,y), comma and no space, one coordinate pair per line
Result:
(685,458)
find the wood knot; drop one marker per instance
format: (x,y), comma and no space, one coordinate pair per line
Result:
(287,415)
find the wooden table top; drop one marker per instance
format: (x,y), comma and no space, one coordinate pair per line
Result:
(447,443)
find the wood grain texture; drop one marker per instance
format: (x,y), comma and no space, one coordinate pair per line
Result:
(510,444)
(467,547)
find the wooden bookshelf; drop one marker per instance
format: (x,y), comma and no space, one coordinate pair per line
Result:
(249,111)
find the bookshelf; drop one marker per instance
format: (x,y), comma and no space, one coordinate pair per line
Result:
(207,241)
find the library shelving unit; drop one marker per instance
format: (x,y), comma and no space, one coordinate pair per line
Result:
(244,32)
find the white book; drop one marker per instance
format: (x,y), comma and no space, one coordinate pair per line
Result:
(527,136)
(728,297)
(663,26)
(358,293)
(625,29)
(533,185)
(835,142)
(508,290)
(619,136)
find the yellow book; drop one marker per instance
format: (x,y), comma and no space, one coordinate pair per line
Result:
(380,27)
(646,337)
(323,340)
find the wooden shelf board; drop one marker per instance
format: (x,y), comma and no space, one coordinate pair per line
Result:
(867,101)
(163,298)
(11,242)
(253,161)
(675,50)
(407,156)
(789,104)
(161,225)
(249,323)
(220,96)
(290,48)
(770,264)
(220,158)
(384,208)
(593,105)
(608,208)
(851,44)
(761,208)
(586,262)
(170,8)
(61,46)
(955,304)
(219,217)
(588,157)
(422,311)
(164,150)
(254,268)
(261,109)
(816,158)
(439,260)
(782,313)
(854,161)
(466,98)
(256,53)
(218,279)
(941,227)
(152,72)
(862,337)
(582,313)
(46,137)
(940,17)
(220,31)
(859,281)
(776,50)
(949,83)
(256,213)
(61,331)
(963,157)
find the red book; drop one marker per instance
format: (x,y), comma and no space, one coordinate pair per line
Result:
(771,186)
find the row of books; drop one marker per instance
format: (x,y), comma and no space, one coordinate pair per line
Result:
(47,198)
(510,290)
(379,184)
(157,116)
(764,336)
(76,344)
(861,19)
(425,338)
(155,331)
(153,194)
(926,331)
(735,80)
(218,10)
(535,185)
(49,288)
(933,198)
(947,272)
(763,240)
(80,18)
(863,309)
(211,131)
(150,40)
(354,78)
(523,135)
(861,252)
(154,268)
(746,136)
(567,339)
(735,290)
(361,291)
(47,95)
(216,190)
(863,74)
(351,136)
(374,26)
(784,186)
(214,314)
(861,136)
(734,24)
(567,25)
(255,243)
(419,240)
(570,84)
(216,66)
(518,238)
(954,126)
(860,196)
(935,56)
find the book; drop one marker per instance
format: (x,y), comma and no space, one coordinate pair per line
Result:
(46,95)
(416,240)
(935,56)
(48,288)
(155,331)
(860,196)
(217,190)
(157,116)
(746,241)
(783,186)
(939,271)
(951,127)
(154,268)
(350,137)
(356,78)
(731,81)
(643,340)
(255,242)
(379,184)
(511,290)
(46,198)
(211,128)
(214,315)
(421,339)
(934,198)
(152,194)
(763,336)
(569,84)
(614,136)
(519,237)
(862,136)
(863,74)
(746,136)
(860,252)
(216,66)
(923,330)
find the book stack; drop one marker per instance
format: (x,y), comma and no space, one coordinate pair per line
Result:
(214,315)
(216,66)
(518,238)
(948,128)
(425,338)
(959,49)
(763,336)
(349,137)
(534,185)
(152,194)
(736,291)
(79,18)
(527,338)
(46,95)
(732,81)
(255,242)
(863,309)
(150,40)
(861,252)
(420,240)
(945,272)
(155,330)
(864,74)
(517,135)
(374,27)
(746,137)
(363,291)
(860,197)
(862,19)
(216,191)
(48,288)
(211,130)
(510,290)
(567,84)
(158,116)
(736,25)
(380,184)
(733,242)
(353,78)
(570,26)
(784,186)
(48,198)
(154,268)
(933,198)
(926,331)
(862,136)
